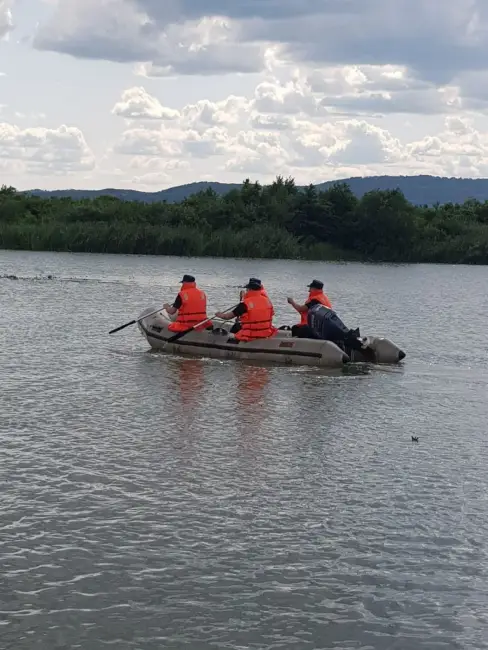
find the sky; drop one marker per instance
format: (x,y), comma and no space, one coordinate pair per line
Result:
(149,94)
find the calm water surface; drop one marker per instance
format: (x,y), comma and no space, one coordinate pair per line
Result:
(152,502)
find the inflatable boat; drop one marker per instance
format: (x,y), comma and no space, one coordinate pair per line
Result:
(219,343)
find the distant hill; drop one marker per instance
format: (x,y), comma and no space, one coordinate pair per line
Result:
(419,190)
(171,195)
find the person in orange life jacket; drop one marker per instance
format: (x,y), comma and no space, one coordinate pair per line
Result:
(236,327)
(316,296)
(191,305)
(255,313)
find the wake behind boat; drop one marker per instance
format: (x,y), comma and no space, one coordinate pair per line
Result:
(219,343)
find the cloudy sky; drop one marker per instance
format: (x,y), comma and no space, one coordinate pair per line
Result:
(147,94)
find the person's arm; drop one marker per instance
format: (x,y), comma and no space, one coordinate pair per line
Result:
(240,310)
(299,308)
(172,309)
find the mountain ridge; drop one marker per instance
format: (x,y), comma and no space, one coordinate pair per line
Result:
(419,189)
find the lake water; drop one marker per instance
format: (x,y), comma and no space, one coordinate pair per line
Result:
(153,502)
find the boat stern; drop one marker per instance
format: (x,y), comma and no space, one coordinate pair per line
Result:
(385,351)
(149,320)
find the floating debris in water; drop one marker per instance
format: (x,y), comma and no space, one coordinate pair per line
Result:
(41,278)
(18,277)
(415,439)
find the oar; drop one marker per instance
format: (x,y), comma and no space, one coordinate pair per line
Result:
(178,335)
(137,320)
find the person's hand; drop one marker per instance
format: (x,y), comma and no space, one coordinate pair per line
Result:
(166,305)
(290,301)
(219,314)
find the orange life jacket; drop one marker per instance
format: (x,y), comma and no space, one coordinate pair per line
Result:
(315,294)
(263,292)
(257,322)
(193,308)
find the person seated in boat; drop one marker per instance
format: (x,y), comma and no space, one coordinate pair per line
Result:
(190,306)
(235,328)
(316,296)
(323,323)
(255,313)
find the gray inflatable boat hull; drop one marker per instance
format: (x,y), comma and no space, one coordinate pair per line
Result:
(282,348)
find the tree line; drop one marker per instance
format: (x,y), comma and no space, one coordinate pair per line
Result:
(272,221)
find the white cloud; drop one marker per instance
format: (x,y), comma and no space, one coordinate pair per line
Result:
(365,144)
(257,152)
(155,165)
(342,87)
(153,174)
(234,136)
(62,150)
(112,29)
(10,166)
(6,20)
(291,98)
(271,122)
(136,103)
(30,117)
(227,112)
(146,142)
(459,139)
(343,143)
(355,90)
(158,179)
(436,39)
(211,142)
(122,31)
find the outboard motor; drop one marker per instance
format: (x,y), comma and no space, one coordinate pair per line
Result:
(326,325)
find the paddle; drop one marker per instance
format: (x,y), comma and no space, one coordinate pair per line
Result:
(178,335)
(133,322)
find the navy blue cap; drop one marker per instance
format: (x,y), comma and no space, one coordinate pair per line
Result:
(316,284)
(254,284)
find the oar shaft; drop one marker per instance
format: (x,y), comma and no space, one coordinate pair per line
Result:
(178,335)
(133,322)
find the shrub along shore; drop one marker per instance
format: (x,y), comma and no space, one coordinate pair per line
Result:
(274,221)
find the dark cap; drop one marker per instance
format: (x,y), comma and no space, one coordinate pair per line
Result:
(188,278)
(316,284)
(254,284)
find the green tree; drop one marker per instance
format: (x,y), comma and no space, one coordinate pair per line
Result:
(276,220)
